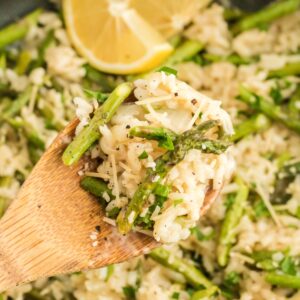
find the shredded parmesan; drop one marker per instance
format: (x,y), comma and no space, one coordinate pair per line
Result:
(194,118)
(125,167)
(99,175)
(154,100)
(115,177)
(265,197)
(109,221)
(242,257)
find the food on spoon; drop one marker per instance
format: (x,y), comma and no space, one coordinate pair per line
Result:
(159,155)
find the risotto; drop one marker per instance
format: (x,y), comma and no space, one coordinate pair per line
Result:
(247,246)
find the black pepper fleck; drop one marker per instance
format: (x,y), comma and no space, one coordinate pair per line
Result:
(194,101)
(98,228)
(127,126)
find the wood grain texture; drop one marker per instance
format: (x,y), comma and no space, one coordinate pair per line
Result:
(46,231)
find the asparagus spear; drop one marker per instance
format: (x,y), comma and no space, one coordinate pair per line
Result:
(232,218)
(192,139)
(106,83)
(17,31)
(283,280)
(269,109)
(102,115)
(184,52)
(233,14)
(256,123)
(2,61)
(164,136)
(266,15)
(96,186)
(204,294)
(284,177)
(31,134)
(192,275)
(23,62)
(233,59)
(292,69)
(293,105)
(45,44)
(17,104)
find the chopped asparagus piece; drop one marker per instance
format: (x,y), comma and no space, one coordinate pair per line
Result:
(255,124)
(45,44)
(23,62)
(292,69)
(232,219)
(2,61)
(17,31)
(283,280)
(266,15)
(164,136)
(233,59)
(184,52)
(106,84)
(192,275)
(284,177)
(232,14)
(96,186)
(271,110)
(102,115)
(294,104)
(17,104)
(204,294)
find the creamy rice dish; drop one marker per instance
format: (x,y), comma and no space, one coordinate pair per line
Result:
(247,246)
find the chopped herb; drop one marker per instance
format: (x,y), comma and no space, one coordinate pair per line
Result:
(260,209)
(143,155)
(276,94)
(200,235)
(129,292)
(232,278)
(113,212)
(168,70)
(162,190)
(100,97)
(163,136)
(175,295)
(288,266)
(198,59)
(229,200)
(230,286)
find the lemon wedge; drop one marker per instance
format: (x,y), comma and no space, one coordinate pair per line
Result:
(168,16)
(113,37)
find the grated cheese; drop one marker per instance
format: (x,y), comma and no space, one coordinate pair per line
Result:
(265,197)
(115,177)
(154,99)
(98,175)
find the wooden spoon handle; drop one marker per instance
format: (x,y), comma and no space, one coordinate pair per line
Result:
(47,229)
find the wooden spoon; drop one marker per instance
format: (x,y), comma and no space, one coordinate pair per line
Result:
(48,229)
